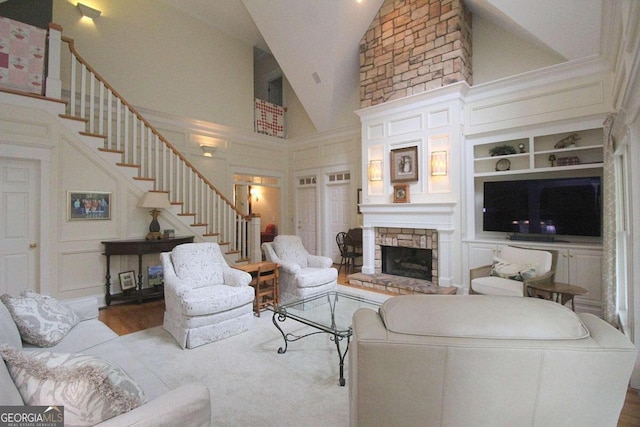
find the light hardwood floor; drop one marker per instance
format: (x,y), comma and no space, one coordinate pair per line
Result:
(127,318)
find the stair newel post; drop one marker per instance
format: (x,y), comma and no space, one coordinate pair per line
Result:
(53,82)
(254,240)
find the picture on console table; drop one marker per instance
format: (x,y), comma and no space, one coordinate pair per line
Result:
(404,164)
(155,275)
(86,205)
(127,280)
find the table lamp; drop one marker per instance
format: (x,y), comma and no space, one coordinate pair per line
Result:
(155,200)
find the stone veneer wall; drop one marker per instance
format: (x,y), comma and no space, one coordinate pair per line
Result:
(408,238)
(413,46)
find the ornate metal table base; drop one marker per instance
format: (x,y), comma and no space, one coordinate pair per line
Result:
(281,316)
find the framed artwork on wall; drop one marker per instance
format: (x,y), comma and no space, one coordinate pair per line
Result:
(87,205)
(404,164)
(401,193)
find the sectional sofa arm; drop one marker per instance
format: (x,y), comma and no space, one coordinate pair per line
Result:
(84,308)
(185,406)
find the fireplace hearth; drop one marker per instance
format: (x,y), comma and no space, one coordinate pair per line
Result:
(407,262)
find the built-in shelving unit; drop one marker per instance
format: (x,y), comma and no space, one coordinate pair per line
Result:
(539,154)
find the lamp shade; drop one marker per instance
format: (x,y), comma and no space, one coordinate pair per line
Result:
(155,200)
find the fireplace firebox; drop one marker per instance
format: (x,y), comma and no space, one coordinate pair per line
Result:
(407,262)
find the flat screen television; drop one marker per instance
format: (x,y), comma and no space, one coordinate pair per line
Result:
(544,207)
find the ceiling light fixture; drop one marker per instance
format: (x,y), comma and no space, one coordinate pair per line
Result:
(88,12)
(316,77)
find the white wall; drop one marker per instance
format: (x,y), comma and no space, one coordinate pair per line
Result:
(498,54)
(161,59)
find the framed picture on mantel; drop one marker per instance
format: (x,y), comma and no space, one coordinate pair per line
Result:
(404,164)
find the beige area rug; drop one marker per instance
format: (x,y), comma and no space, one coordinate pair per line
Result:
(250,383)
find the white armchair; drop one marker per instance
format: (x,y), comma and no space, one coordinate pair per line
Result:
(301,274)
(513,271)
(205,299)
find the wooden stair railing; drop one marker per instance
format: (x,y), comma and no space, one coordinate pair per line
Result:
(108,115)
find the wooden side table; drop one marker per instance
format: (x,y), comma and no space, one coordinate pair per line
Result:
(264,281)
(558,292)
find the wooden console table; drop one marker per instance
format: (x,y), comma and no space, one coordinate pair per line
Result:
(137,247)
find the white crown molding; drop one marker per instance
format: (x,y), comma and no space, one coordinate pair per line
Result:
(591,66)
(455,91)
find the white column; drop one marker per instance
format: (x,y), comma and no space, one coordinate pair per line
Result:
(53,83)
(255,252)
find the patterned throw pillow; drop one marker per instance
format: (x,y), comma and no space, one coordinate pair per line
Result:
(90,389)
(41,320)
(507,270)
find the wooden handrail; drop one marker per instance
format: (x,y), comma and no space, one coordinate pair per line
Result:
(80,59)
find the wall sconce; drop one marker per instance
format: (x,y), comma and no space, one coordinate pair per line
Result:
(208,150)
(375,170)
(88,12)
(255,193)
(439,163)
(155,200)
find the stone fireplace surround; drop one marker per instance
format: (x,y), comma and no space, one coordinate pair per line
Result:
(409,238)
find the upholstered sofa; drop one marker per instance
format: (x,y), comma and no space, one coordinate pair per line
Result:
(188,405)
(478,360)
(301,274)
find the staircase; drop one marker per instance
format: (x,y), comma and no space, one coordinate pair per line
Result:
(110,124)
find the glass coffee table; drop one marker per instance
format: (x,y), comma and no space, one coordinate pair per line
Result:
(330,313)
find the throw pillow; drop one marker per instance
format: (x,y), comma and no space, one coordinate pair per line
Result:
(507,270)
(41,320)
(91,389)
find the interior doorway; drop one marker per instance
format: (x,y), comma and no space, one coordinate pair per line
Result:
(259,195)
(307,213)
(19,225)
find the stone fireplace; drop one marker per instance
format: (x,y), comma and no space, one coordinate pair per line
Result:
(419,252)
(407,262)
(415,251)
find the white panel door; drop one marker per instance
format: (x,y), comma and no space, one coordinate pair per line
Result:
(307,218)
(339,205)
(19,225)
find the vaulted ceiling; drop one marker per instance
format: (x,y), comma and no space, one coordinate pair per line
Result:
(316,42)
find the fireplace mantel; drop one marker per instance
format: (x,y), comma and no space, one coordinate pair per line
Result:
(440,216)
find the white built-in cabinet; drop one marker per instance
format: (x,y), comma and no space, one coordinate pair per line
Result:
(579,265)
(538,153)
